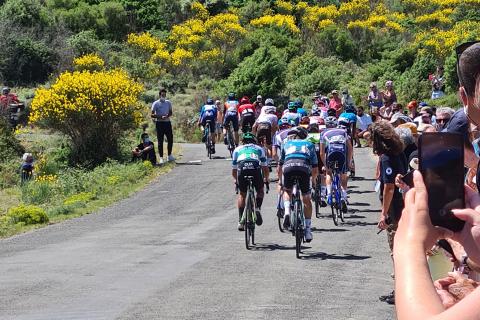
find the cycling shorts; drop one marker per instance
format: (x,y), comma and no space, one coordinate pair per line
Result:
(337,160)
(212,123)
(233,118)
(300,169)
(264,130)
(252,169)
(248,119)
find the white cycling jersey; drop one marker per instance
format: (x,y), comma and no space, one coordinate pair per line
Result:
(267,118)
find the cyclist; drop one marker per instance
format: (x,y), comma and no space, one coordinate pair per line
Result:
(298,159)
(230,116)
(246,111)
(209,113)
(336,146)
(314,131)
(291,113)
(249,160)
(300,110)
(316,116)
(265,127)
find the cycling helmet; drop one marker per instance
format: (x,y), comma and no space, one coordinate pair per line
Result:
(6,90)
(331,122)
(313,128)
(231,96)
(210,101)
(300,132)
(292,106)
(283,123)
(299,103)
(269,102)
(305,120)
(332,112)
(350,108)
(315,111)
(249,137)
(343,122)
(245,100)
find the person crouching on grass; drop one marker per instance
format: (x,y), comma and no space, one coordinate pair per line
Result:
(145,150)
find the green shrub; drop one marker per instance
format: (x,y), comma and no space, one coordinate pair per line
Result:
(10,147)
(27,13)
(261,73)
(27,215)
(9,173)
(79,198)
(37,192)
(84,42)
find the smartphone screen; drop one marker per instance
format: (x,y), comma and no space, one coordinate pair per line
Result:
(442,166)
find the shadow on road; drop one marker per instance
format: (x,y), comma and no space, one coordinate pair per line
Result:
(359,204)
(354,216)
(364,179)
(326,256)
(359,224)
(329,230)
(271,247)
(219,157)
(370,210)
(361,192)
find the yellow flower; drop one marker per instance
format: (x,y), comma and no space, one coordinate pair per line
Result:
(88,62)
(279,20)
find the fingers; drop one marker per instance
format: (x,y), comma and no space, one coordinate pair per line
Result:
(421,195)
(472,198)
(469,215)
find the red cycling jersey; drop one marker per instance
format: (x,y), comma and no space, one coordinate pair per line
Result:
(246,109)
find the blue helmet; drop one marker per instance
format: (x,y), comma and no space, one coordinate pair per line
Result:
(210,101)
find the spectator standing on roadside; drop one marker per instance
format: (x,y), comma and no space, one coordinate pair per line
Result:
(412,110)
(258,104)
(347,99)
(375,97)
(437,81)
(389,96)
(219,122)
(336,103)
(161,114)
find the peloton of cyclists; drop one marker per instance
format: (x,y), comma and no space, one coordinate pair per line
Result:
(249,159)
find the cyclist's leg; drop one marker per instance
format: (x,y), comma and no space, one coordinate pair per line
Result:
(258,184)
(213,126)
(242,187)
(287,181)
(305,176)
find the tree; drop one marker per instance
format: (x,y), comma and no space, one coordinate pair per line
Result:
(261,73)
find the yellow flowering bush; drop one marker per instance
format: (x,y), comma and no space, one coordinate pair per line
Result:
(354,10)
(79,198)
(51,178)
(284,7)
(374,23)
(435,18)
(278,20)
(146,42)
(224,29)
(313,15)
(188,35)
(93,108)
(90,62)
(199,11)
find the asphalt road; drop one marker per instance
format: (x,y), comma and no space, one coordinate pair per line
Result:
(172,251)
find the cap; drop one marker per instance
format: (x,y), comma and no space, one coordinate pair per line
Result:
(400,117)
(334,91)
(373,84)
(426,110)
(423,104)
(317,95)
(389,83)
(411,126)
(259,97)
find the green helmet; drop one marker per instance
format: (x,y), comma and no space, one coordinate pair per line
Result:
(249,137)
(292,105)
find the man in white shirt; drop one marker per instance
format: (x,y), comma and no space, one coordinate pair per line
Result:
(161,113)
(364,121)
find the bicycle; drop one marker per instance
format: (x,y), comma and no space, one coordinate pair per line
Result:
(280,211)
(208,139)
(297,218)
(336,203)
(249,216)
(317,195)
(230,138)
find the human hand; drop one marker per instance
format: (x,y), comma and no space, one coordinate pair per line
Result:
(469,237)
(399,183)
(415,227)
(382,222)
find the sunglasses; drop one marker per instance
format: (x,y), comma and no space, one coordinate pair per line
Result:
(459,50)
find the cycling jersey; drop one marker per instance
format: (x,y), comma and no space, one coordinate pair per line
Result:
(351,117)
(231,115)
(316,119)
(292,116)
(209,112)
(280,137)
(249,152)
(267,118)
(302,112)
(230,105)
(246,109)
(335,143)
(297,159)
(247,115)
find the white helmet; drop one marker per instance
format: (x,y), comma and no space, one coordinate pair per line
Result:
(269,102)
(331,122)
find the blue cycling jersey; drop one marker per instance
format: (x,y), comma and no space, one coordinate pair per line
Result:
(292,116)
(351,117)
(209,111)
(302,112)
(299,150)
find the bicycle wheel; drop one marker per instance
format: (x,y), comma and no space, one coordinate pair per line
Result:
(247,215)
(340,209)
(334,211)
(280,215)
(298,228)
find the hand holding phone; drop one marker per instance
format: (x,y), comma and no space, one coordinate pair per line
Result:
(441,157)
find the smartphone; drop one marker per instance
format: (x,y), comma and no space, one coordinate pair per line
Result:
(441,162)
(408,179)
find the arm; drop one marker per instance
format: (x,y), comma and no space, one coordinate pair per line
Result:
(388,190)
(266,173)
(234,175)
(349,152)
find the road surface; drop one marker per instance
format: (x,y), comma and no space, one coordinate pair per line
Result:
(172,251)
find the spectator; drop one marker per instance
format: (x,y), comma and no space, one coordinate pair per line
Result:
(336,103)
(258,104)
(375,98)
(7,98)
(27,167)
(219,122)
(161,114)
(416,234)
(347,99)
(398,119)
(443,115)
(412,110)
(320,104)
(375,115)
(145,150)
(425,117)
(408,140)
(388,146)
(388,95)
(364,121)
(437,81)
